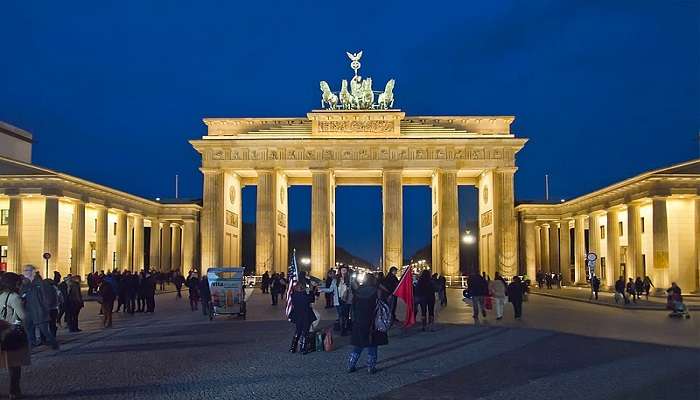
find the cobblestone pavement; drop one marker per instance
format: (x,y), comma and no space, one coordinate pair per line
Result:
(178,354)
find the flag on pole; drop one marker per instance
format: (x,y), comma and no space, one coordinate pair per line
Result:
(292,278)
(404,291)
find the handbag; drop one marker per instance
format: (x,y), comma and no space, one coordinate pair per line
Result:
(328,340)
(13,337)
(488,302)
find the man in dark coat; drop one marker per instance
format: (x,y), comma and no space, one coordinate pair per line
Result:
(516,291)
(265,282)
(478,288)
(38,296)
(364,335)
(178,280)
(302,315)
(150,292)
(390,282)
(205,294)
(595,286)
(74,303)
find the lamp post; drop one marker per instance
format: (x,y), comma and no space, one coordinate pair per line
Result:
(469,240)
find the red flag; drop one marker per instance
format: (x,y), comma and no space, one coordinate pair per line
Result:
(404,291)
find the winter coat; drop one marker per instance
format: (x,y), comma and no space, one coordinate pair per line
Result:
(15,315)
(498,288)
(477,286)
(204,290)
(595,283)
(425,291)
(36,300)
(620,286)
(363,314)
(515,292)
(107,292)
(302,313)
(74,300)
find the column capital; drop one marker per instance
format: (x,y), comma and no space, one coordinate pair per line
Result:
(506,169)
(211,171)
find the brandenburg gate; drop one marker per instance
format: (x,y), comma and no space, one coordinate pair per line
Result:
(353,140)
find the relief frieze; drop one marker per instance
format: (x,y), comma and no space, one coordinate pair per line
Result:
(380,127)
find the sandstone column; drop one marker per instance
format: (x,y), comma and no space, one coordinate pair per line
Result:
(594,244)
(78,266)
(166,247)
(697,243)
(213,219)
(554,248)
(538,248)
(101,250)
(50,235)
(14,236)
(544,248)
(265,223)
(564,251)
(176,263)
(612,239)
(505,232)
(447,262)
(122,245)
(660,242)
(321,189)
(580,249)
(154,245)
(138,242)
(392,203)
(530,249)
(189,241)
(634,242)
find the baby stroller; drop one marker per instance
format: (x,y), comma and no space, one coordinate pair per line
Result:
(677,307)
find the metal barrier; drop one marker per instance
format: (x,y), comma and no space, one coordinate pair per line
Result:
(456,281)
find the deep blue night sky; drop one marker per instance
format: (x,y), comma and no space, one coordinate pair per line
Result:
(112,92)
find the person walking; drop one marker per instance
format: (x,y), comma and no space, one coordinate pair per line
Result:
(329,295)
(205,294)
(425,291)
(150,292)
(302,316)
(647,285)
(442,290)
(364,334)
(498,289)
(37,301)
(639,287)
(276,288)
(107,296)
(477,287)
(595,286)
(620,290)
(63,288)
(631,290)
(13,315)
(193,286)
(74,303)
(55,301)
(178,280)
(141,292)
(516,292)
(265,282)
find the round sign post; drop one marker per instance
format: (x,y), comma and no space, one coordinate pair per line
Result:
(47,256)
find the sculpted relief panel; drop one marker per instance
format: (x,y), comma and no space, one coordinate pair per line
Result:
(356,126)
(356,154)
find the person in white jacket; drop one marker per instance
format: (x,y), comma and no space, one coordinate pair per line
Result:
(342,298)
(497,288)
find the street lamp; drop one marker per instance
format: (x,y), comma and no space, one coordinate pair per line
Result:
(468,238)
(306,261)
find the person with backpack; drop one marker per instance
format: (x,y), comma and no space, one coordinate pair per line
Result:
(365,334)
(13,315)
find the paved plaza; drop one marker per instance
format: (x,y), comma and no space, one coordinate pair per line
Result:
(561,349)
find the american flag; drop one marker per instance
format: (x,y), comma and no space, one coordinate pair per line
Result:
(292,278)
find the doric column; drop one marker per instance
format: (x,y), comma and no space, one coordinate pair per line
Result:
(154,245)
(129,242)
(544,248)
(564,251)
(446,258)
(554,248)
(50,234)
(580,249)
(322,186)
(122,237)
(176,258)
(634,242)
(102,261)
(392,205)
(612,239)
(78,266)
(538,248)
(594,244)
(660,242)
(265,223)
(213,219)
(14,236)
(166,244)
(189,242)
(138,242)
(530,250)
(505,230)
(697,243)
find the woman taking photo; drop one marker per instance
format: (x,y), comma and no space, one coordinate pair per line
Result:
(364,333)
(15,346)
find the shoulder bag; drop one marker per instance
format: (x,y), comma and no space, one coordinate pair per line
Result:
(13,337)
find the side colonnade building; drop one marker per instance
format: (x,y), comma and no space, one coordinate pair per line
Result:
(87,227)
(648,225)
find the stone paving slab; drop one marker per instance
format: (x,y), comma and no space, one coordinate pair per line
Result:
(607,299)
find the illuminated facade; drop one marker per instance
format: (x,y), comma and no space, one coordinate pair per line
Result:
(645,225)
(334,147)
(86,226)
